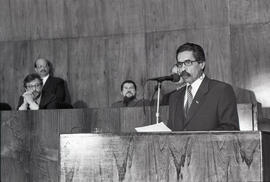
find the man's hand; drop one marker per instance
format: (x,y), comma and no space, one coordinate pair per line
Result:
(28,97)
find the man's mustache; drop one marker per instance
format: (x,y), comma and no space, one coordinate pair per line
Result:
(129,92)
(184,74)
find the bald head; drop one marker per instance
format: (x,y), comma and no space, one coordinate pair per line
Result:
(42,67)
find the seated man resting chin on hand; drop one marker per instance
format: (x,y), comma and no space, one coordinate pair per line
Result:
(33,98)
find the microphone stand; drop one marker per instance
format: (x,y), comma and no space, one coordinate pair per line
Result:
(158,100)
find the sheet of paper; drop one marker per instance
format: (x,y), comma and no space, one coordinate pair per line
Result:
(160,127)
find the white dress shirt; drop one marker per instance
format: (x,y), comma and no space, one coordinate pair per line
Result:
(194,87)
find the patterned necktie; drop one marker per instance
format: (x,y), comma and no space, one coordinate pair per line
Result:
(189,99)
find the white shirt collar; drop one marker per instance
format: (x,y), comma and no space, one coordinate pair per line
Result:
(195,86)
(44,79)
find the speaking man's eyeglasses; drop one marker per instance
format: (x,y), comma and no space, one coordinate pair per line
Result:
(186,63)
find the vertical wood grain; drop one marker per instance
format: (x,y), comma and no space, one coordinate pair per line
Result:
(44,146)
(95,45)
(249,11)
(175,15)
(162,157)
(15,146)
(250,54)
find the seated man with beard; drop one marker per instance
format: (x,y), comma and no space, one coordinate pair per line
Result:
(34,98)
(128,91)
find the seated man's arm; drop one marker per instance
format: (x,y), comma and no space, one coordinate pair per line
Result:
(22,104)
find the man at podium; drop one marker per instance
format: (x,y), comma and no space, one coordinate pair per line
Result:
(203,104)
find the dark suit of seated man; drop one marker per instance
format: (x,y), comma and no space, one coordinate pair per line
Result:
(203,104)
(34,98)
(128,91)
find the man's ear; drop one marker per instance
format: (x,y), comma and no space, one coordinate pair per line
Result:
(202,64)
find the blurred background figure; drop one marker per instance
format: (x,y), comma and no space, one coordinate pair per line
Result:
(128,93)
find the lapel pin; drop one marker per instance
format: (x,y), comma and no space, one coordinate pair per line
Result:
(197,102)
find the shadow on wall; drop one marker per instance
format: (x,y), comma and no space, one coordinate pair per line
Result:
(80,104)
(244,95)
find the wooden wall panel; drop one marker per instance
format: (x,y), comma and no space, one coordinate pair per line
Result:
(31,19)
(16,19)
(14,66)
(101,43)
(174,14)
(5,28)
(125,59)
(104,120)
(75,121)
(15,146)
(250,57)
(91,18)
(57,19)
(249,11)
(86,72)
(44,146)
(99,65)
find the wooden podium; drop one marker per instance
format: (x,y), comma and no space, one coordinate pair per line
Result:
(30,140)
(181,156)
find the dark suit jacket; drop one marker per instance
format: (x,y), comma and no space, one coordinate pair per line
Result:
(56,87)
(47,101)
(213,108)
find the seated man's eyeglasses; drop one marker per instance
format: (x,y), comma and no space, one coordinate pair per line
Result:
(186,63)
(38,85)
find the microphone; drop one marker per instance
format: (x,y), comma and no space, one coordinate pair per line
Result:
(174,78)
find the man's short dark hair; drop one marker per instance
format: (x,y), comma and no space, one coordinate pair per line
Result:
(197,51)
(30,78)
(128,81)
